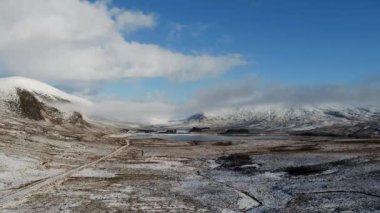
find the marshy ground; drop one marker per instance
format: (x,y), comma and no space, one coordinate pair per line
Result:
(295,174)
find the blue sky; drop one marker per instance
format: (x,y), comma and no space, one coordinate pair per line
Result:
(294,42)
(167,59)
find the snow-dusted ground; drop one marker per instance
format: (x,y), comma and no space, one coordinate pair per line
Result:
(16,171)
(32,151)
(90,172)
(46,167)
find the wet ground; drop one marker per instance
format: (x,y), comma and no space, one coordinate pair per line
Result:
(108,172)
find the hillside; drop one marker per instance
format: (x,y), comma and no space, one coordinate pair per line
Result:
(285,117)
(39,101)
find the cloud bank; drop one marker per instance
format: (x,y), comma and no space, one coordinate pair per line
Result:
(240,94)
(74,40)
(252,92)
(133,111)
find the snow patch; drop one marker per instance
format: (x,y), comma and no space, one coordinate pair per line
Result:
(90,172)
(250,166)
(273,176)
(245,202)
(16,171)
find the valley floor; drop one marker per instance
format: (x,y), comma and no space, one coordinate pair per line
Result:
(45,168)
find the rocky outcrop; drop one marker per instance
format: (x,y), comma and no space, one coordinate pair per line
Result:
(30,107)
(77,119)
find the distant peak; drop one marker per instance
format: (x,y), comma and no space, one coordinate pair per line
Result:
(196,118)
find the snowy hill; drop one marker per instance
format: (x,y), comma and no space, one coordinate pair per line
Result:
(38,101)
(285,117)
(44,92)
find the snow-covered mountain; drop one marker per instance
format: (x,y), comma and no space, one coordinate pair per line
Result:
(38,100)
(285,117)
(43,91)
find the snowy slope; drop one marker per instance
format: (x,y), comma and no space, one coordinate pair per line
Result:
(43,92)
(46,92)
(283,116)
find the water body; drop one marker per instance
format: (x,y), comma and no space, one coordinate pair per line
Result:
(206,137)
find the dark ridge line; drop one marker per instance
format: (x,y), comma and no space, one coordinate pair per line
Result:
(343,191)
(334,191)
(24,185)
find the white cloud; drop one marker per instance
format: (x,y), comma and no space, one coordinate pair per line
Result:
(132,111)
(130,21)
(75,40)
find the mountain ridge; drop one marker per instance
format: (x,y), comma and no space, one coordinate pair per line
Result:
(286,116)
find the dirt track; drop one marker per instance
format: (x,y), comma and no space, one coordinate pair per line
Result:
(17,195)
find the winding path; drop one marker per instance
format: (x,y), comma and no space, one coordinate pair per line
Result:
(25,191)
